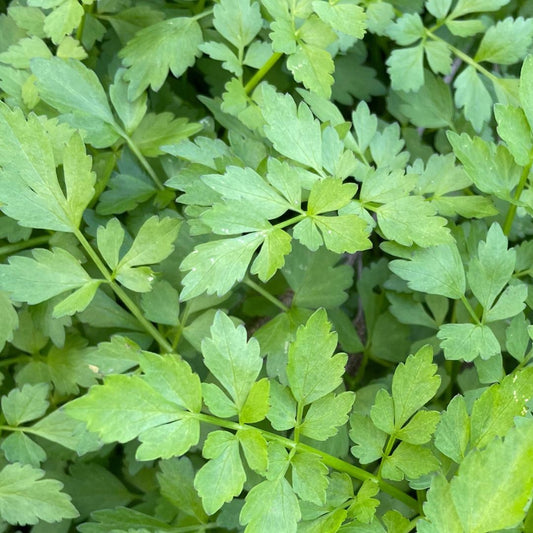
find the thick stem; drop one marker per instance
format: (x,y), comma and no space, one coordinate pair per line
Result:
(9,249)
(329,460)
(262,72)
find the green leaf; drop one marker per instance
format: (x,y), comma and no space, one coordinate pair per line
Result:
(120,398)
(510,303)
(233,361)
(271,258)
(282,412)
(420,428)
(77,301)
(161,304)
(494,412)
(26,498)
(215,266)
(84,105)
(526,91)
(309,477)
(255,449)
(25,404)
(453,432)
(439,57)
(130,112)
(65,16)
(246,185)
(409,461)
(312,371)
(173,378)
(9,320)
(270,507)
(514,129)
(124,193)
(369,440)
(346,18)
(407,29)
(30,191)
(344,233)
(312,66)
(487,477)
(176,480)
(506,42)
(238,21)
(411,220)
(19,448)
(181,36)
(382,412)
(257,403)
(326,415)
(329,194)
(414,383)
(294,131)
(472,95)
(435,270)
(221,52)
(222,477)
(153,243)
(406,68)
(157,130)
(48,274)
(489,272)
(464,7)
(491,167)
(468,341)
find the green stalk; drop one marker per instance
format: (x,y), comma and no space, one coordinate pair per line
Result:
(329,460)
(509,218)
(119,291)
(272,299)
(9,249)
(470,310)
(134,148)
(262,72)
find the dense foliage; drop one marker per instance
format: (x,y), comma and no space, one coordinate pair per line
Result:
(266,266)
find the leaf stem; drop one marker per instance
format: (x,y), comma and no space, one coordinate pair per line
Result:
(181,325)
(9,249)
(470,310)
(262,72)
(135,149)
(509,218)
(121,293)
(272,299)
(329,460)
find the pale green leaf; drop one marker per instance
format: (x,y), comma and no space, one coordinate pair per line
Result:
(26,498)
(414,383)
(257,403)
(25,404)
(329,194)
(9,320)
(235,362)
(215,266)
(435,270)
(346,18)
(161,304)
(343,233)
(174,41)
(326,415)
(271,507)
(77,301)
(494,485)
(19,448)
(105,408)
(406,68)
(130,112)
(420,428)
(271,258)
(472,95)
(526,89)
(514,129)
(369,440)
(309,477)
(506,42)
(407,29)
(410,461)
(312,66)
(255,450)
(453,432)
(464,7)
(238,21)
(223,476)
(47,274)
(468,341)
(294,131)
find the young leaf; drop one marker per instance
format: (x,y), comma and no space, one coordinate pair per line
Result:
(311,370)
(180,35)
(453,432)
(26,498)
(238,21)
(468,341)
(309,477)
(346,18)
